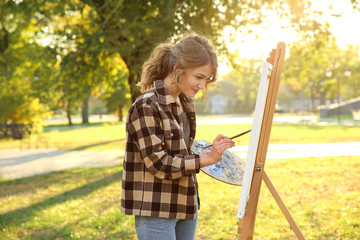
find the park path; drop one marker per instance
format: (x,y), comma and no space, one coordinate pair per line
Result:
(16,163)
(282,151)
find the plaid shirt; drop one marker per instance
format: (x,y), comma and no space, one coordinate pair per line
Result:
(159,172)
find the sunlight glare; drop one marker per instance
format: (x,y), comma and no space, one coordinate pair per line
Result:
(264,37)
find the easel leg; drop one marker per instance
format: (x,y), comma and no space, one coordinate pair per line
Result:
(282,206)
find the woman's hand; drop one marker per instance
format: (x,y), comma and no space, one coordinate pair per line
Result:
(220,144)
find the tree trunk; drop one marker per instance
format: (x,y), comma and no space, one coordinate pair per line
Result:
(4,41)
(4,45)
(120,113)
(134,90)
(322,98)
(85,110)
(68,114)
(313,101)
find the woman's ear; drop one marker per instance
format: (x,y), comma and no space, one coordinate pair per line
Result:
(176,65)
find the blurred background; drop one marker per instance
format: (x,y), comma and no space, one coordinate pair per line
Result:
(68,74)
(69,60)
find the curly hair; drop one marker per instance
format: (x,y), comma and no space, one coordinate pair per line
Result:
(191,52)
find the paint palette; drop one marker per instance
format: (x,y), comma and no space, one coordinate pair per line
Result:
(230,169)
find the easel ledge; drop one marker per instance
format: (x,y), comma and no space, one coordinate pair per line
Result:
(247,223)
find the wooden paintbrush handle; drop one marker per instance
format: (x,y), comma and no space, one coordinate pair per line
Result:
(243,133)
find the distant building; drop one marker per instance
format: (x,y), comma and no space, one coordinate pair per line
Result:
(221,99)
(218,103)
(344,107)
(299,104)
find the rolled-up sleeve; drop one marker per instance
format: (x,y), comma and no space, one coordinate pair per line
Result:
(145,129)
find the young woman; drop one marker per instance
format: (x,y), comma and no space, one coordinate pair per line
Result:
(159,182)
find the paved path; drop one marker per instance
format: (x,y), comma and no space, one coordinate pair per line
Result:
(281,151)
(16,163)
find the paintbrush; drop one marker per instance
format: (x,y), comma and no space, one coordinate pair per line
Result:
(243,133)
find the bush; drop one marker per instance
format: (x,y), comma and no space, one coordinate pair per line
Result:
(23,109)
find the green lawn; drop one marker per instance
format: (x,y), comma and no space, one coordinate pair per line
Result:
(323,194)
(79,137)
(112,135)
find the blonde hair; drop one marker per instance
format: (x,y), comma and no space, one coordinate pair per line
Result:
(192,51)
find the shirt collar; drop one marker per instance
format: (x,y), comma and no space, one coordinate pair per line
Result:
(164,95)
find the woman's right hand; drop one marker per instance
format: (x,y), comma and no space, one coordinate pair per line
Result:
(220,144)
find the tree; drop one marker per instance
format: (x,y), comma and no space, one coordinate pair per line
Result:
(350,71)
(86,64)
(305,69)
(24,65)
(116,91)
(323,72)
(133,28)
(355,4)
(116,101)
(343,71)
(306,65)
(246,77)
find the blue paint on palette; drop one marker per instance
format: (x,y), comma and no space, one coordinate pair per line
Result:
(215,171)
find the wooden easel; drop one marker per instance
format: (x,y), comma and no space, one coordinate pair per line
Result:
(247,223)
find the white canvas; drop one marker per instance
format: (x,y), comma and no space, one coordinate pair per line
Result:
(254,138)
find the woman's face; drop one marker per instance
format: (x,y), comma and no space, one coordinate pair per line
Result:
(194,80)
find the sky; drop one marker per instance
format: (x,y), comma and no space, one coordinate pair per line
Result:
(266,36)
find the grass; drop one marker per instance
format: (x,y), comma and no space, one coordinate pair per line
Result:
(74,204)
(347,116)
(95,136)
(323,195)
(109,136)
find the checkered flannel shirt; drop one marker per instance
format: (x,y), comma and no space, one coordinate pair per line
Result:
(159,170)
